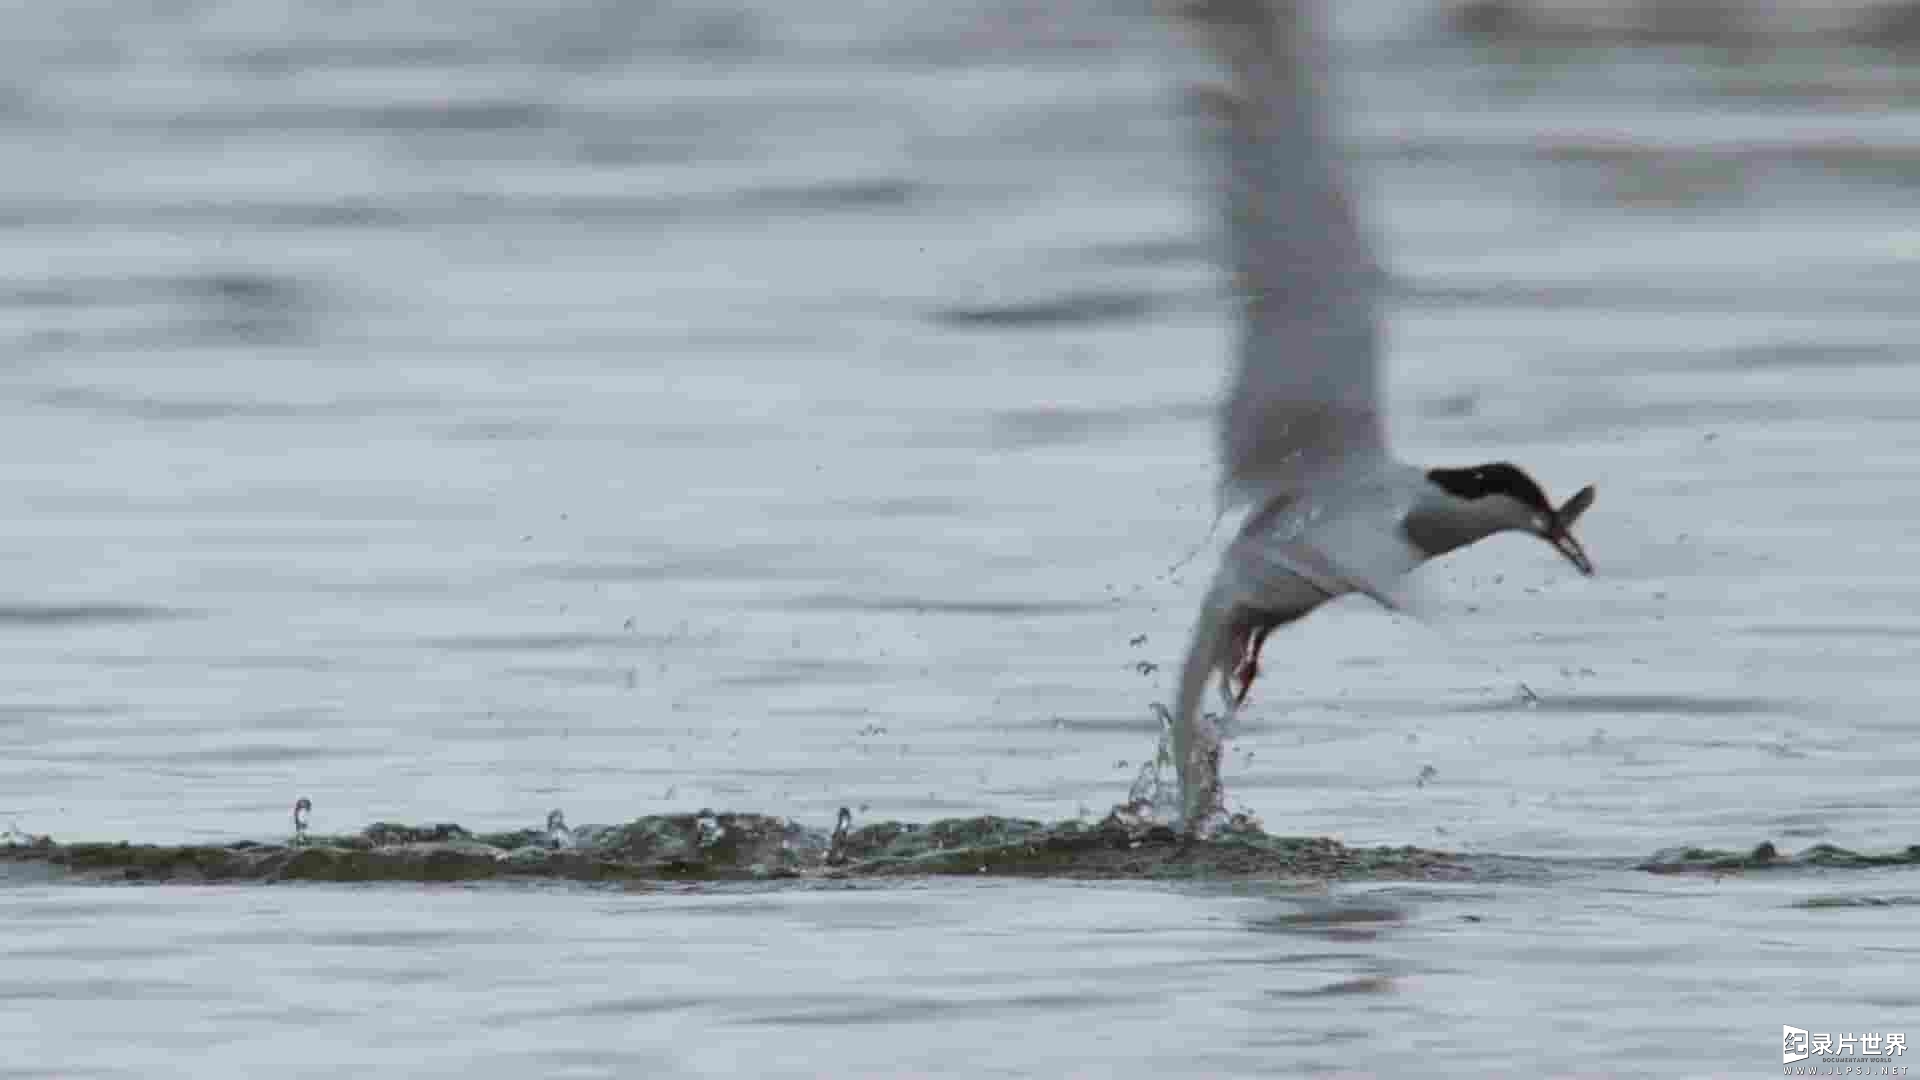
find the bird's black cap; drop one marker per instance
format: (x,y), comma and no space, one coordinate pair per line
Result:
(1499,478)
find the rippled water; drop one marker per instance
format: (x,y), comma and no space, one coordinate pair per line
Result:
(458,412)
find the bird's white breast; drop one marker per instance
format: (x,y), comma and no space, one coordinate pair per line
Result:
(1343,536)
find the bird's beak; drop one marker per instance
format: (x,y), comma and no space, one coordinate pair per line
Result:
(1565,544)
(1561,535)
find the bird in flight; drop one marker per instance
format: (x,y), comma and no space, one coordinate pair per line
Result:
(1301,436)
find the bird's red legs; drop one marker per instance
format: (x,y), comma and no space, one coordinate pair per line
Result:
(1250,664)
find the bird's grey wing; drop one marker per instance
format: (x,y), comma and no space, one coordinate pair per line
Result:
(1305,396)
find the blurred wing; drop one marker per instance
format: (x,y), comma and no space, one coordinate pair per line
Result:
(1305,396)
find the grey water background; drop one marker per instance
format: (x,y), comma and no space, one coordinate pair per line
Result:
(455,411)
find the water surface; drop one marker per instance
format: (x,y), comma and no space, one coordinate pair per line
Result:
(450,414)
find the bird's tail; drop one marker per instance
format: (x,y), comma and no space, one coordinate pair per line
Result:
(1196,738)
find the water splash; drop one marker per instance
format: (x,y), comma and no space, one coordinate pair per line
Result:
(711,831)
(1154,797)
(15,836)
(301,808)
(837,846)
(559,837)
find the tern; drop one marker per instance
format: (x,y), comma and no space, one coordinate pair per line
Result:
(1301,434)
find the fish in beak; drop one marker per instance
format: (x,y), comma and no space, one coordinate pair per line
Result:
(1560,531)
